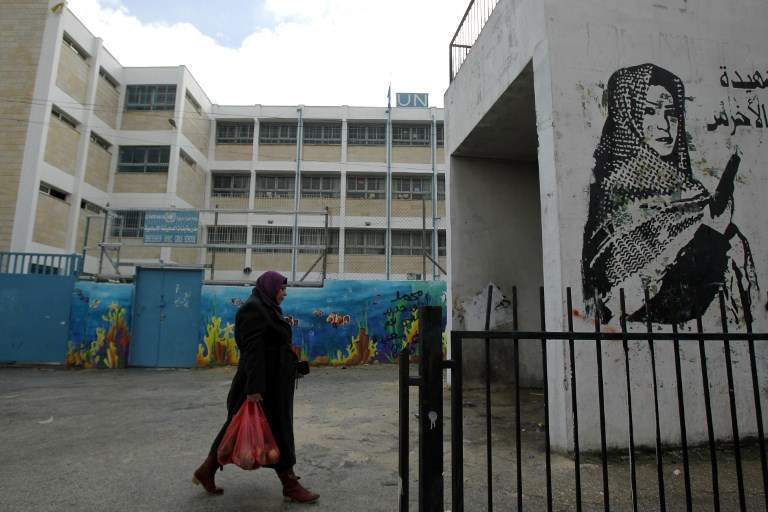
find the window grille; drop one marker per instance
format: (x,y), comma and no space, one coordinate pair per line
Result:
(366,134)
(411,134)
(143,158)
(64,118)
(440,134)
(150,97)
(108,78)
(366,187)
(441,243)
(227,235)
(266,238)
(417,187)
(76,48)
(187,159)
(195,104)
(365,241)
(277,133)
(53,191)
(231,185)
(320,186)
(101,142)
(91,207)
(408,243)
(128,224)
(275,186)
(316,237)
(234,132)
(324,134)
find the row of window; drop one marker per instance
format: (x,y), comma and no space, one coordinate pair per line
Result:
(358,187)
(241,132)
(278,239)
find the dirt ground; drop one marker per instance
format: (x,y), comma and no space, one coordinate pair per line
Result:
(130,440)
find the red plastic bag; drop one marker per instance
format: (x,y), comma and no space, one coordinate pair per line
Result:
(248,441)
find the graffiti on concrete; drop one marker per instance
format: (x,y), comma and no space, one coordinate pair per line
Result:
(652,225)
(745,111)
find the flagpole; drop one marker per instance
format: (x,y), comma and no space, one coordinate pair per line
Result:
(388,235)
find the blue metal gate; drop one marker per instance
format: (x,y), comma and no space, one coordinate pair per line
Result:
(166,317)
(35,297)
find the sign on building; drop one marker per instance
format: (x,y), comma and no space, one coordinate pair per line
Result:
(169,227)
(413,99)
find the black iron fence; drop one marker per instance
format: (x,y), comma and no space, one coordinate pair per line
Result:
(475,17)
(740,491)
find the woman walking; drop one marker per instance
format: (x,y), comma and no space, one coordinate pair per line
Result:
(266,373)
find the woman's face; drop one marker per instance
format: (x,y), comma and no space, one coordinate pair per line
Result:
(660,120)
(281,293)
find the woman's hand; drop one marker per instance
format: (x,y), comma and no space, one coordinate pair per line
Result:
(256,397)
(720,222)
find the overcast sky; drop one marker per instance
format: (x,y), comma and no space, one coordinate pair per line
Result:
(286,52)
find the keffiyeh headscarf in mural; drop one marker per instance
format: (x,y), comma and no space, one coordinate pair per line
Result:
(645,217)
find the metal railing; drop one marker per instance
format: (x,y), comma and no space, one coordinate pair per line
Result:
(477,14)
(722,473)
(63,265)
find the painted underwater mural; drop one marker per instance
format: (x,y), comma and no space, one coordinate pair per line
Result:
(343,323)
(99,327)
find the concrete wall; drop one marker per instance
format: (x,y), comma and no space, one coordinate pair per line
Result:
(146,120)
(366,207)
(191,184)
(72,76)
(196,127)
(411,155)
(233,152)
(61,147)
(51,221)
(367,153)
(97,166)
(144,182)
(320,153)
(107,102)
(22,27)
(271,152)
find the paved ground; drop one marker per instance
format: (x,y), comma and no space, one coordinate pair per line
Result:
(129,440)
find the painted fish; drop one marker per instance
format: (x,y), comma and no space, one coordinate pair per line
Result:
(292,321)
(335,319)
(237,302)
(318,313)
(95,303)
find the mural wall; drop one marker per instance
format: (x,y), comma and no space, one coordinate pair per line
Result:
(99,327)
(343,323)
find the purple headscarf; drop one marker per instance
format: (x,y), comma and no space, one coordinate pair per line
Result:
(269,283)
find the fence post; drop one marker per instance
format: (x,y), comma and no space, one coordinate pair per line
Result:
(431,410)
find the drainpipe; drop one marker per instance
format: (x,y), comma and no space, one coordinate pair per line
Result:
(434,197)
(388,236)
(297,191)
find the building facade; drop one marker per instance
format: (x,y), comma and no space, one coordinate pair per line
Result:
(87,139)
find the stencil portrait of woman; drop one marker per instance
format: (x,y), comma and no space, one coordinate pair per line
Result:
(652,225)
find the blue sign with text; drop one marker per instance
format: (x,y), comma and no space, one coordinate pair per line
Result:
(413,99)
(169,227)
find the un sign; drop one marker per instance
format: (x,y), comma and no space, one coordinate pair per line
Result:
(413,99)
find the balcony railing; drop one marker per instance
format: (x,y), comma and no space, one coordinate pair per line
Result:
(471,25)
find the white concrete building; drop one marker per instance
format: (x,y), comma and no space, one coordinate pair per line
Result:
(617,144)
(88,133)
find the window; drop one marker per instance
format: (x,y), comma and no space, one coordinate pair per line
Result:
(187,159)
(64,118)
(76,48)
(316,237)
(227,235)
(275,186)
(234,132)
(408,243)
(441,243)
(128,224)
(108,78)
(417,187)
(272,239)
(366,134)
(366,187)
(277,133)
(100,141)
(315,133)
(91,207)
(195,104)
(231,185)
(364,241)
(320,186)
(144,158)
(440,134)
(411,134)
(150,97)
(53,191)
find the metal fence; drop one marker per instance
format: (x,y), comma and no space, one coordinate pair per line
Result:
(745,488)
(64,265)
(477,14)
